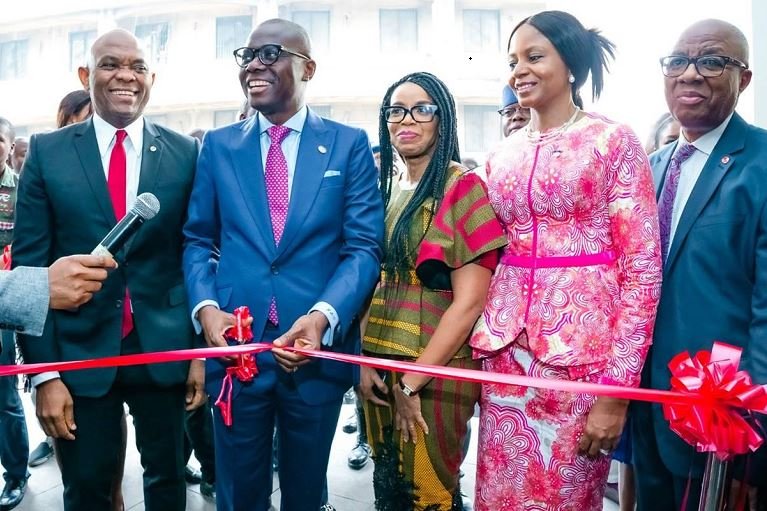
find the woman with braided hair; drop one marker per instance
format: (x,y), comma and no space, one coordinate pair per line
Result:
(442,241)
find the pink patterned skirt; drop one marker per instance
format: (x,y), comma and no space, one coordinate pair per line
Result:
(528,442)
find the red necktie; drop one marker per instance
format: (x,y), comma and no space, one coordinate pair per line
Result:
(117,183)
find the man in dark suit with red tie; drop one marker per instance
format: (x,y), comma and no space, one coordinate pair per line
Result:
(77,183)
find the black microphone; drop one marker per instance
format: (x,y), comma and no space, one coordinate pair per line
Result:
(146,207)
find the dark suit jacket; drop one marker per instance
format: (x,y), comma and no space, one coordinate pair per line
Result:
(715,278)
(64,208)
(330,249)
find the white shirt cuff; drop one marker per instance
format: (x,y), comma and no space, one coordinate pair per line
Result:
(41,378)
(195,321)
(330,313)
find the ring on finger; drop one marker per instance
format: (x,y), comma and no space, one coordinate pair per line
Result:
(605,452)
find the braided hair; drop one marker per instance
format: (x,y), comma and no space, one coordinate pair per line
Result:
(396,261)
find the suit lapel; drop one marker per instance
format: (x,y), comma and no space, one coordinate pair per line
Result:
(660,168)
(311,164)
(87,148)
(151,154)
(249,170)
(719,161)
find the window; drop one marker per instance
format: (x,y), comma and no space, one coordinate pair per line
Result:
(232,32)
(79,45)
(154,38)
(481,30)
(399,29)
(317,23)
(13,59)
(482,127)
(224,117)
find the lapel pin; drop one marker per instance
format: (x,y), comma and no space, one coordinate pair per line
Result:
(322,149)
(152,148)
(725,159)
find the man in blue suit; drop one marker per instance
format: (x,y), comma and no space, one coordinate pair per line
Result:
(286,218)
(712,204)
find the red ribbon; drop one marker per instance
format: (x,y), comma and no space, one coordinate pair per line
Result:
(717,425)
(244,370)
(708,386)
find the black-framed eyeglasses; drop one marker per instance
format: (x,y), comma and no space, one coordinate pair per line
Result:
(709,66)
(510,110)
(419,113)
(267,54)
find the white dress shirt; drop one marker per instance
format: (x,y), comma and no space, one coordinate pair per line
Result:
(133,144)
(691,170)
(290,149)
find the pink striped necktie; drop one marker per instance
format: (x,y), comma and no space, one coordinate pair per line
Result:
(276,178)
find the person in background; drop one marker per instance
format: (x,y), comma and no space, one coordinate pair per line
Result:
(712,200)
(665,130)
(20,146)
(74,107)
(574,296)
(14,440)
(434,281)
(513,115)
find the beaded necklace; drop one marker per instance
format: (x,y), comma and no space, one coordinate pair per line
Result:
(540,137)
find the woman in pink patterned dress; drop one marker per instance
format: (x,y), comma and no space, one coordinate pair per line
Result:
(575,294)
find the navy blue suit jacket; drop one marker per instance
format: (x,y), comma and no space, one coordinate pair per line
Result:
(330,249)
(715,277)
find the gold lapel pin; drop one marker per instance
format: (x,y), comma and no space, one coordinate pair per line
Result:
(725,159)
(322,149)
(152,148)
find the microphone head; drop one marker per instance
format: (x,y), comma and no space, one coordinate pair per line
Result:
(147,206)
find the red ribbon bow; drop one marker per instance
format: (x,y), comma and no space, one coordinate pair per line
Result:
(244,370)
(717,426)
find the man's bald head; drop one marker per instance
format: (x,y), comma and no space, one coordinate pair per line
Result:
(720,29)
(299,37)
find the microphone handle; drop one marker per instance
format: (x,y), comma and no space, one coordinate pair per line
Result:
(120,233)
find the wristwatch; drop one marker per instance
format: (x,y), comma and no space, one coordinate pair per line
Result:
(407,390)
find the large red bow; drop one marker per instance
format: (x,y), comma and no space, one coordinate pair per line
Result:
(717,426)
(244,370)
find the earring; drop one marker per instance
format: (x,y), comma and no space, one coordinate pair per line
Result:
(571,78)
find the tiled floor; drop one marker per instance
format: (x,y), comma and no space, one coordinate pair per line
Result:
(350,490)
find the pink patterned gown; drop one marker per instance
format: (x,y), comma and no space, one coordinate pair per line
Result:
(573,298)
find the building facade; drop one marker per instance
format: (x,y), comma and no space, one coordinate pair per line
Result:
(360,48)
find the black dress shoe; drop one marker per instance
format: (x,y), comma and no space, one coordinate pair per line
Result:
(359,456)
(192,475)
(208,490)
(13,494)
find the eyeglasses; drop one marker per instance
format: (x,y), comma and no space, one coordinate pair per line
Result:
(419,113)
(510,110)
(709,66)
(267,54)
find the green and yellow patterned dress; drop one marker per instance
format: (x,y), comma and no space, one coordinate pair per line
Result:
(403,317)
